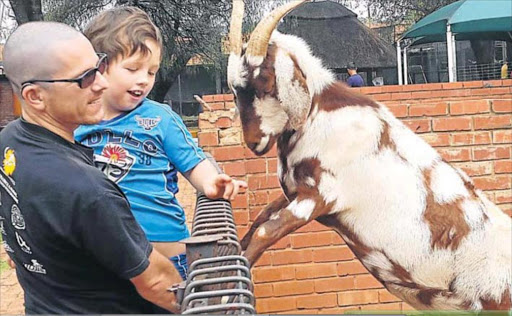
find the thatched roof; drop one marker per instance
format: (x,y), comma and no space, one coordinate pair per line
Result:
(337,37)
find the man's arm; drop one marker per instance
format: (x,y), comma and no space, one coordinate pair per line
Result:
(205,178)
(152,284)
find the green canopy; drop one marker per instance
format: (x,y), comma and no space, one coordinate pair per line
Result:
(465,16)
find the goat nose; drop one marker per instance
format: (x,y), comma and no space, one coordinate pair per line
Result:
(252,146)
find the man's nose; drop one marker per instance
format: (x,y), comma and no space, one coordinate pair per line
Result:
(100,83)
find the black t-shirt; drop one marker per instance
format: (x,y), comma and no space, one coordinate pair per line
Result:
(69,229)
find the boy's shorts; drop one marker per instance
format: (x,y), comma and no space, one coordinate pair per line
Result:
(180,262)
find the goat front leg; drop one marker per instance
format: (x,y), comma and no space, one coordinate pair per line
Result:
(277,226)
(272,208)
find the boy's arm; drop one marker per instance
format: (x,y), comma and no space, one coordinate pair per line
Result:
(205,178)
(152,284)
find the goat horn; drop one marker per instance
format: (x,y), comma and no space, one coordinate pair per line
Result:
(258,43)
(235,28)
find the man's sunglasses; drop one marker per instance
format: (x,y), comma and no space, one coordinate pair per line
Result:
(84,81)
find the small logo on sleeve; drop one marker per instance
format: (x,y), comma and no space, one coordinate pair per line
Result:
(22,243)
(35,267)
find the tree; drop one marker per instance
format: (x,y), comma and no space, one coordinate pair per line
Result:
(26,10)
(189,27)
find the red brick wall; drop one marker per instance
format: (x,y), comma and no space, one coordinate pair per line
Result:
(312,270)
(6,102)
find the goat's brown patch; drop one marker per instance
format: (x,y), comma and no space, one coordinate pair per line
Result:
(505,302)
(447,224)
(385,138)
(337,96)
(353,242)
(265,83)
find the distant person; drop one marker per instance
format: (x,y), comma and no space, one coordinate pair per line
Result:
(355,79)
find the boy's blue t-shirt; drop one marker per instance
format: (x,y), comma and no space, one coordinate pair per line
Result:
(142,151)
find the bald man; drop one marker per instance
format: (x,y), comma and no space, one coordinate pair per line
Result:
(68,229)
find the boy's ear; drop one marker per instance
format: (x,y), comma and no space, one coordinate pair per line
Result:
(33,97)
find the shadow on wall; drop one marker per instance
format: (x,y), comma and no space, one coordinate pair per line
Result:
(10,107)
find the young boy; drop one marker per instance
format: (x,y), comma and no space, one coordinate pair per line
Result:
(142,144)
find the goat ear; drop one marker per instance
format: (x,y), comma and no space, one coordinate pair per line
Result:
(292,90)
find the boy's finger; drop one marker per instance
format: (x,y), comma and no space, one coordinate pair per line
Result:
(227,191)
(223,179)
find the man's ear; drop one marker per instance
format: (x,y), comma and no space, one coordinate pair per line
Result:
(33,97)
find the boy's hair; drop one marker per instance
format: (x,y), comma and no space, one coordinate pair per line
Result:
(122,31)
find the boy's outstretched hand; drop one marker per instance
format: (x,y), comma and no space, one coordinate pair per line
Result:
(205,178)
(223,186)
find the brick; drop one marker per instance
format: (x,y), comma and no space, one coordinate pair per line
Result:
(502,106)
(455,154)
(270,274)
(255,166)
(282,257)
(367,281)
(264,260)
(258,197)
(451,124)
(272,165)
(263,290)
(240,201)
(440,108)
(294,288)
(503,166)
(336,284)
(491,153)
(473,84)
(282,243)
(317,301)
(418,125)
(470,138)
(358,297)
(229,105)
(236,168)
(351,310)
(489,91)
(241,231)
(228,97)
(329,254)
(214,106)
(223,122)
(241,217)
(421,95)
(254,211)
(392,88)
(314,271)
(228,153)
(396,307)
(312,226)
(503,196)
(469,107)
(492,83)
(401,95)
(386,297)
(262,181)
(382,96)
(208,138)
(274,194)
(476,168)
(312,239)
(451,85)
(370,90)
(436,140)
(502,137)
(500,182)
(492,122)
(279,304)
(218,97)
(207,98)
(350,268)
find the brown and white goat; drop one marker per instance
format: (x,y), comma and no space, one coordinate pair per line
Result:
(416,223)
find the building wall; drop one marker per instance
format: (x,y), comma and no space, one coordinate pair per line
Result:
(312,270)
(6,102)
